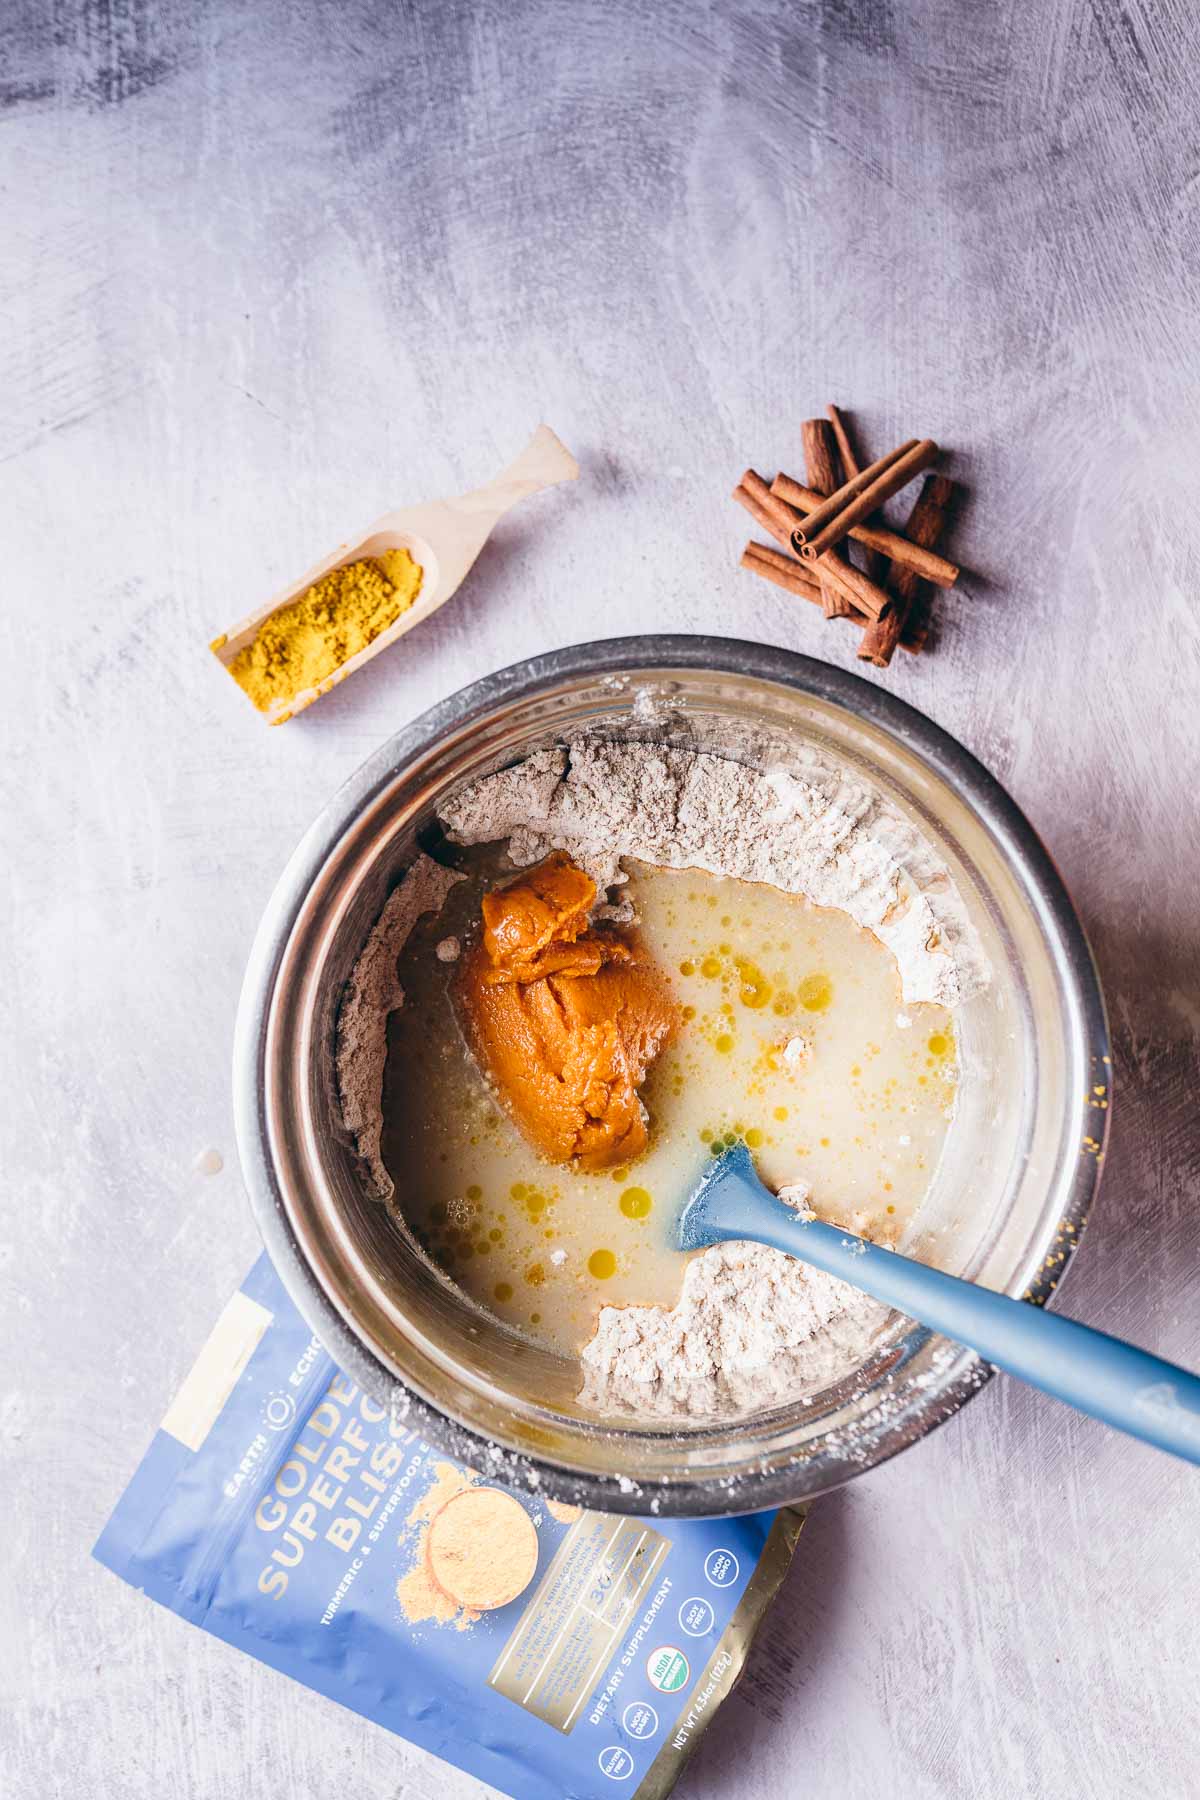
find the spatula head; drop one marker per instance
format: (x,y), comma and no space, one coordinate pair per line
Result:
(730,1181)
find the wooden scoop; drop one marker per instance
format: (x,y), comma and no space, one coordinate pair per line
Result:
(443,536)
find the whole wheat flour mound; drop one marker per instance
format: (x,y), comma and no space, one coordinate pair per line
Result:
(373,992)
(825,836)
(752,1327)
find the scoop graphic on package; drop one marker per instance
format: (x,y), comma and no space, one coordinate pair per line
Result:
(1109,1380)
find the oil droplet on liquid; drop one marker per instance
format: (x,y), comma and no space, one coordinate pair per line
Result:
(756,989)
(602,1264)
(635,1203)
(815,992)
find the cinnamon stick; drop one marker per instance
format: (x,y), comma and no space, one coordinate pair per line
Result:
(845,443)
(915,631)
(828,525)
(876,565)
(890,544)
(775,516)
(925,524)
(772,565)
(772,513)
(821,463)
(824,476)
(855,485)
(863,593)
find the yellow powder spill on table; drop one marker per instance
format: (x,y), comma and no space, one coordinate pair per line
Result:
(301,645)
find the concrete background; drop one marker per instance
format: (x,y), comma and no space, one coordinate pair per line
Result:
(267,270)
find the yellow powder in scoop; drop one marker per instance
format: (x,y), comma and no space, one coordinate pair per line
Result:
(301,645)
(482,1549)
(475,1550)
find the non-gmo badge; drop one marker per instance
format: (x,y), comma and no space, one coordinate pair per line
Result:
(667,1669)
(721,1567)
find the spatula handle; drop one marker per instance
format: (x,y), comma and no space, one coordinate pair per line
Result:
(1110,1380)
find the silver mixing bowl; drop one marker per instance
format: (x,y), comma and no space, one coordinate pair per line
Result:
(1008,1202)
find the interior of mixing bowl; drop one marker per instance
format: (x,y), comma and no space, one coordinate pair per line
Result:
(1009,1192)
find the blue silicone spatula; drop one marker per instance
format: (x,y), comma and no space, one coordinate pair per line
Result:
(1110,1380)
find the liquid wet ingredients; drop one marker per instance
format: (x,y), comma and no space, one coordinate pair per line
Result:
(789,1032)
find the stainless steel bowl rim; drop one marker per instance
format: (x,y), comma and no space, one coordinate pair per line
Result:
(631,658)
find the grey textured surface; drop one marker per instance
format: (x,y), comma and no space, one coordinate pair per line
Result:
(267,270)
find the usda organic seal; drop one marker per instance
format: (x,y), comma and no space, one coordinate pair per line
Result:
(667,1668)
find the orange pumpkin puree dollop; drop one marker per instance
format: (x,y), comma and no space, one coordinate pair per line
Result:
(565,1018)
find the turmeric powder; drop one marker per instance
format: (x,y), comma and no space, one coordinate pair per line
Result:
(302,644)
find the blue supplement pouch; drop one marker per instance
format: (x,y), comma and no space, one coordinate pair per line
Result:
(549,1651)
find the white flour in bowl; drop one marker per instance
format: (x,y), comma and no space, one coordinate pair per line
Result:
(752,1327)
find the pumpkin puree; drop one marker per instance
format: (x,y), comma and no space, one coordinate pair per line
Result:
(565,1018)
